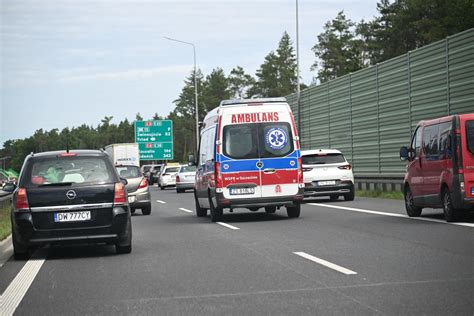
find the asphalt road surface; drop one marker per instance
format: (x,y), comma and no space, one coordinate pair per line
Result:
(358,258)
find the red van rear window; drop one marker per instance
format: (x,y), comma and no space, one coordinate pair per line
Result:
(470,135)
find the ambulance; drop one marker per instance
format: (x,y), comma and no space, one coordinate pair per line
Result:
(249,157)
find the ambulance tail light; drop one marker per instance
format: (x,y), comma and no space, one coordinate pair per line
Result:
(300,173)
(218,176)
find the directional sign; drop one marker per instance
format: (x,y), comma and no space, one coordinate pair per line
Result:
(155,139)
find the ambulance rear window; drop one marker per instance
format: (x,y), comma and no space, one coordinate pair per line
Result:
(240,141)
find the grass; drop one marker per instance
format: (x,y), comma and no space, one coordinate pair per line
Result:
(394,195)
(5,225)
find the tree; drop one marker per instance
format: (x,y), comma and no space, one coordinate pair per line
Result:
(240,83)
(215,89)
(277,75)
(338,50)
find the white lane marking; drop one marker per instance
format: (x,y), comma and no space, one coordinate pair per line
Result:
(227,225)
(6,255)
(325,263)
(390,214)
(185,210)
(17,289)
(160,201)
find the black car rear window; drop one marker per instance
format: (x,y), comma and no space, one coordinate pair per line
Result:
(63,170)
(470,135)
(321,159)
(128,172)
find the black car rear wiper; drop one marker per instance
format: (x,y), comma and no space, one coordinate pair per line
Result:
(57,184)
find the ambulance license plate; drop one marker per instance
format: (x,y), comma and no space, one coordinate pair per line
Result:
(327,182)
(72,216)
(241,191)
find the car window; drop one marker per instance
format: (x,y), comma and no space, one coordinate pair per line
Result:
(430,142)
(171,170)
(262,140)
(240,141)
(470,135)
(275,140)
(323,158)
(416,142)
(128,172)
(444,131)
(78,170)
(188,169)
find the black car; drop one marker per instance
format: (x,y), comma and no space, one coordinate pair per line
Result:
(70,197)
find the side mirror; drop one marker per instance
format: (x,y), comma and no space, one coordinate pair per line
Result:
(9,187)
(404,153)
(124,181)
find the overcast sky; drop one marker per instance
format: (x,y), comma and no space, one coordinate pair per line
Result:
(65,62)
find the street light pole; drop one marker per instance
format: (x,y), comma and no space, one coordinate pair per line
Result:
(298,73)
(195,89)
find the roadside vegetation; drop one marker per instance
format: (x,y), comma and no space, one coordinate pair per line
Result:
(394,195)
(5,225)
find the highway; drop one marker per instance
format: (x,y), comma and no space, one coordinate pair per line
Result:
(359,258)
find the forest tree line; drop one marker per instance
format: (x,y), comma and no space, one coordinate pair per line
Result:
(343,47)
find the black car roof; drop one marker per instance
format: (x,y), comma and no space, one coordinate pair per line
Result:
(79,152)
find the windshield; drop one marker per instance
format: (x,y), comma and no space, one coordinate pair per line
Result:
(470,135)
(128,172)
(262,140)
(68,170)
(188,169)
(321,159)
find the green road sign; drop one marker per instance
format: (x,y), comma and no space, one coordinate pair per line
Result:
(156,151)
(155,139)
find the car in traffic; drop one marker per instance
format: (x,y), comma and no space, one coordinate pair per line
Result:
(167,176)
(249,157)
(69,197)
(146,169)
(185,178)
(137,188)
(154,174)
(440,170)
(326,172)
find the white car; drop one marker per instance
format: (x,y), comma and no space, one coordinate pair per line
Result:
(168,176)
(327,173)
(185,178)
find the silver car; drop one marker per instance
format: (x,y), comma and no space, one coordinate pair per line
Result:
(137,188)
(185,178)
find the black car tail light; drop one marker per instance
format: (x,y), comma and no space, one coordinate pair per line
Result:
(120,194)
(21,202)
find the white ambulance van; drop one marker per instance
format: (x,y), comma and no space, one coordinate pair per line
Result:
(249,157)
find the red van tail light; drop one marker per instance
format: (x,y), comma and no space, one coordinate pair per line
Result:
(218,175)
(143,184)
(21,199)
(345,167)
(120,194)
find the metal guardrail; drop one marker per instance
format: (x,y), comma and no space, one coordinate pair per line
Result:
(5,200)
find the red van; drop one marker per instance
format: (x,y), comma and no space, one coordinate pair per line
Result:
(440,171)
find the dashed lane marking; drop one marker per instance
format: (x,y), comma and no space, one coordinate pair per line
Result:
(325,263)
(161,202)
(389,214)
(227,225)
(185,210)
(17,289)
